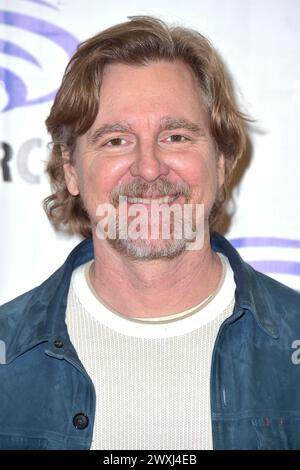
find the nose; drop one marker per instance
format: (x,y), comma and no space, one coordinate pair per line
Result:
(148,163)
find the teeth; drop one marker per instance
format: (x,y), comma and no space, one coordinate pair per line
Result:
(161,200)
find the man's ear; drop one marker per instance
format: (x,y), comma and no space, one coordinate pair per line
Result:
(69,172)
(221,169)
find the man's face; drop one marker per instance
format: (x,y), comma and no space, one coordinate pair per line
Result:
(150,139)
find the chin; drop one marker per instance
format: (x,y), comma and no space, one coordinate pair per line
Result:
(149,249)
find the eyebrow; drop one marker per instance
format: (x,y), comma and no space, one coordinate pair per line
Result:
(167,123)
(108,129)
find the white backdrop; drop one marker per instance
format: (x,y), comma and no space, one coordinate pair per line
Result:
(260,43)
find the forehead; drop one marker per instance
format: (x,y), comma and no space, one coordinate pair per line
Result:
(133,93)
(172,70)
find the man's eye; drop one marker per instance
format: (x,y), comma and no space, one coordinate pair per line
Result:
(177,138)
(115,142)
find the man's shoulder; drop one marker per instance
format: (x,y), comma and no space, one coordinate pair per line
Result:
(16,306)
(255,286)
(279,289)
(277,296)
(48,289)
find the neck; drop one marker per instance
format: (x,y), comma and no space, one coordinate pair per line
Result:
(156,287)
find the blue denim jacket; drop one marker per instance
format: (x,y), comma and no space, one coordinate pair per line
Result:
(47,400)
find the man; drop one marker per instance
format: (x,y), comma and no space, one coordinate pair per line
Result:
(142,340)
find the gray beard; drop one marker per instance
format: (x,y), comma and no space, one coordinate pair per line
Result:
(147,250)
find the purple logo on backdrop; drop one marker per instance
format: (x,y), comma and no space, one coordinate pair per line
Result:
(42,2)
(15,85)
(277,265)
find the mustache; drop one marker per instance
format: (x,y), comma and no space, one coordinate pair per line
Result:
(143,189)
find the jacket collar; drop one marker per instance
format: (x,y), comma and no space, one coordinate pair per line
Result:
(39,315)
(251,294)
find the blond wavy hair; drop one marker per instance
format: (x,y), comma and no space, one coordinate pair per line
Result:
(137,41)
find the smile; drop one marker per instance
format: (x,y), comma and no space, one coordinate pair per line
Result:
(161,200)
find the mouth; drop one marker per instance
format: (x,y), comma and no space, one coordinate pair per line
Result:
(160,200)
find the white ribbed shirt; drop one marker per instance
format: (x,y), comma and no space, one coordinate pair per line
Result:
(152,380)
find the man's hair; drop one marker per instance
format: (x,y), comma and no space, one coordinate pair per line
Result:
(140,40)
